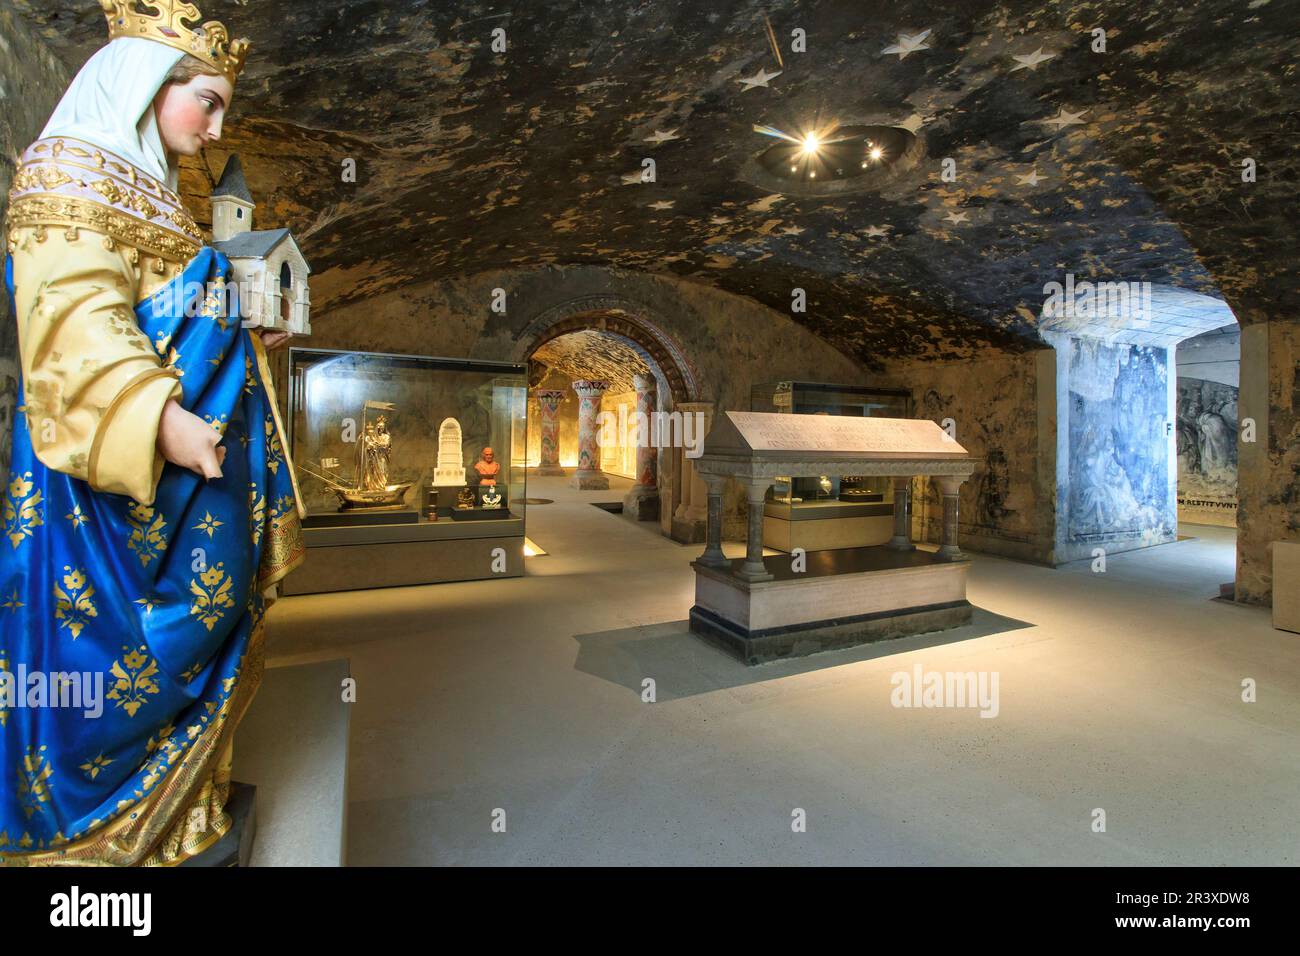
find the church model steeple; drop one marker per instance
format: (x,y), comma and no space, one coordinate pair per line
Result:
(232,203)
(267,264)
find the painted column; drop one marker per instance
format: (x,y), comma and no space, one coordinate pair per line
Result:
(548,405)
(949,488)
(902,539)
(646,453)
(641,503)
(588,474)
(713,555)
(753,569)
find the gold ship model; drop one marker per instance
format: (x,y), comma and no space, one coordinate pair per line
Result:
(370,488)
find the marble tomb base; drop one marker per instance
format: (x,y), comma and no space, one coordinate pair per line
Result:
(845,597)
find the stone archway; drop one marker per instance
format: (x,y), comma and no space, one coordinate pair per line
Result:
(619,316)
(635,328)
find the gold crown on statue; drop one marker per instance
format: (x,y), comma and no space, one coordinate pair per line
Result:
(171,24)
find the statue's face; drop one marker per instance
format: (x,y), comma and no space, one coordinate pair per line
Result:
(190,114)
(487,455)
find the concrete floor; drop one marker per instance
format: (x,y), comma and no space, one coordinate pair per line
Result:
(1119,691)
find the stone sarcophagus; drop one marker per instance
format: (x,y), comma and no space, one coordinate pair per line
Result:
(766,608)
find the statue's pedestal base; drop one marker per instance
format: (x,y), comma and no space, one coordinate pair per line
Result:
(236,847)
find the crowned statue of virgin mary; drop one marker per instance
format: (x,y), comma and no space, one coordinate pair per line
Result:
(150,504)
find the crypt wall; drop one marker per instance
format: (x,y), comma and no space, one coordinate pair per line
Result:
(1003,412)
(31,82)
(1268,475)
(618,458)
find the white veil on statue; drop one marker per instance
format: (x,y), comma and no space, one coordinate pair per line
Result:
(110,104)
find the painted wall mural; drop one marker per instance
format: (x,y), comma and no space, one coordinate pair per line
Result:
(1207,451)
(1119,450)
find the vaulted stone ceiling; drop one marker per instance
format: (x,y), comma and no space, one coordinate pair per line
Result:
(469,160)
(590,354)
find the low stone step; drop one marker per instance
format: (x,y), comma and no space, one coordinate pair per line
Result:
(293,746)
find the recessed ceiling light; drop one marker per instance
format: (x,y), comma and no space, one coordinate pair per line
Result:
(853,156)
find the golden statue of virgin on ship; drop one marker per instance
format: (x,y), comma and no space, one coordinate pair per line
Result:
(370,489)
(147,434)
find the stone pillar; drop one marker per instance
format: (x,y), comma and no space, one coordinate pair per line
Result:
(692,513)
(548,405)
(687,484)
(588,475)
(753,569)
(902,539)
(949,486)
(641,503)
(713,555)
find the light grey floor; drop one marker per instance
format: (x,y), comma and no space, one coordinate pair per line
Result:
(292,745)
(1119,691)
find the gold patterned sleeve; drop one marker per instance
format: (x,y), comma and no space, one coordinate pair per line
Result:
(94,387)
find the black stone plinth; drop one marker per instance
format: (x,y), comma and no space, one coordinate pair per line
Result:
(778,643)
(357,519)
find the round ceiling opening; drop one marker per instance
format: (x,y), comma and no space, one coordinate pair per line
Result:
(844,159)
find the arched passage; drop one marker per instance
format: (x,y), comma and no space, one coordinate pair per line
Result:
(613,343)
(620,317)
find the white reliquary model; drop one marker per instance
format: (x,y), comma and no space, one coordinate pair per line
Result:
(269,269)
(450,469)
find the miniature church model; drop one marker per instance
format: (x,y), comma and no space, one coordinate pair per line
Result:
(268,265)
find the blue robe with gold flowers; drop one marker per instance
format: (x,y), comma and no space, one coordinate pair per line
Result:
(164,600)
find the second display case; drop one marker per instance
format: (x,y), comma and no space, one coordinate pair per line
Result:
(822,512)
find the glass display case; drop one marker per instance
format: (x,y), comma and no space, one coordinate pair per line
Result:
(867,501)
(407,450)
